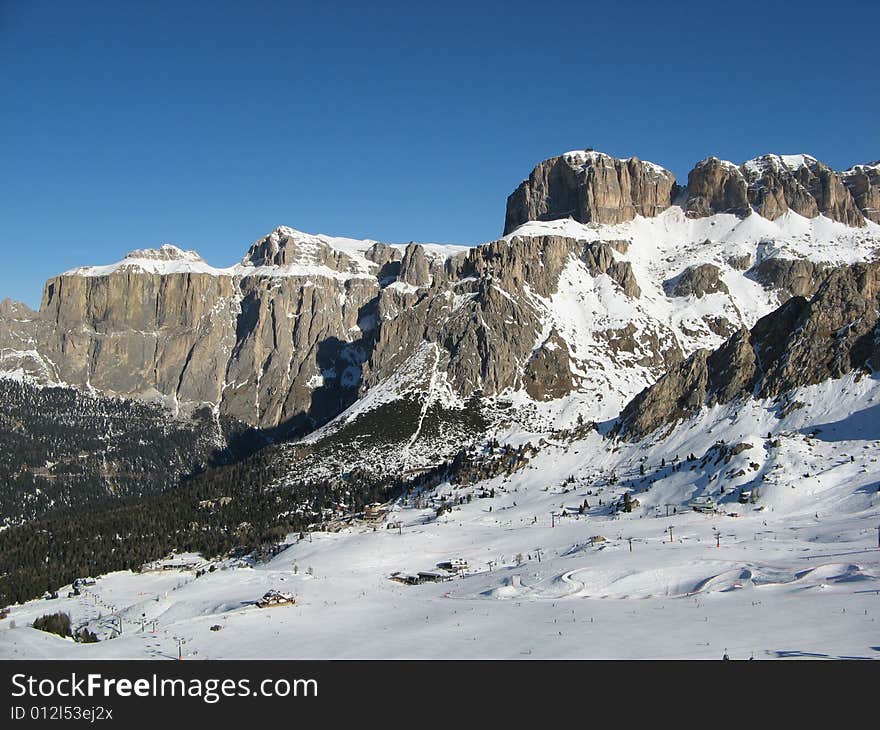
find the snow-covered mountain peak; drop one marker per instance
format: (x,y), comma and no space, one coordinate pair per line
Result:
(285,235)
(289,251)
(581,158)
(867,168)
(727,164)
(166,252)
(167,259)
(757,166)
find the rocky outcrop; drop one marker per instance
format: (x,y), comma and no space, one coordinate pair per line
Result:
(21,332)
(590,186)
(649,348)
(716,186)
(774,190)
(696,281)
(678,393)
(600,260)
(828,336)
(548,372)
(833,198)
(778,183)
(739,262)
(286,247)
(863,183)
(10,310)
(414,269)
(791,277)
(804,342)
(485,321)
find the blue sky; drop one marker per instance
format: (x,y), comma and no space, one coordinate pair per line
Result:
(207,124)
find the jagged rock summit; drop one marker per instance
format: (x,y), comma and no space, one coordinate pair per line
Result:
(777,183)
(592,187)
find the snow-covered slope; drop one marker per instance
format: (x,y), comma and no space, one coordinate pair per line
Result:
(794,574)
(617,343)
(555,567)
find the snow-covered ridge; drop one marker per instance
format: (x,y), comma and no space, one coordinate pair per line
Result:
(166,252)
(755,167)
(791,235)
(167,259)
(772,162)
(582,157)
(305,260)
(355,246)
(727,164)
(870,167)
(308,244)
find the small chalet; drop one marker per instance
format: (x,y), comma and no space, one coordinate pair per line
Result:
(703,504)
(410,579)
(180,565)
(456,565)
(273,598)
(433,576)
(374,512)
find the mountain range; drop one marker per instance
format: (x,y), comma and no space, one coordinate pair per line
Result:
(609,274)
(621,316)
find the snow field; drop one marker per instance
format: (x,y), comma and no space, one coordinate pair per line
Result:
(796,574)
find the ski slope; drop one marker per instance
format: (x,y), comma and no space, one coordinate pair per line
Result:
(794,575)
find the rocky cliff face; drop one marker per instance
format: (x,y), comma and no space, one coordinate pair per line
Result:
(791,277)
(254,339)
(804,342)
(303,327)
(590,186)
(778,183)
(21,329)
(485,315)
(863,183)
(129,331)
(716,186)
